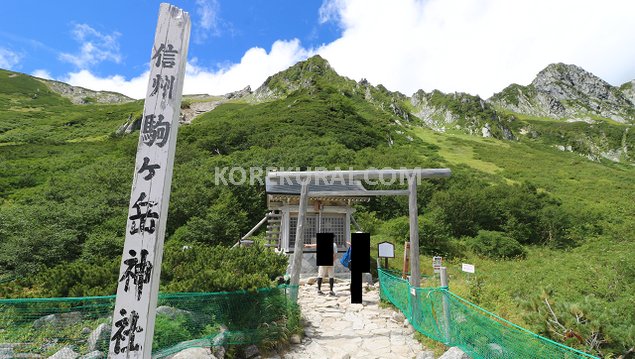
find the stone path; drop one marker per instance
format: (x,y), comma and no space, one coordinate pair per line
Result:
(335,328)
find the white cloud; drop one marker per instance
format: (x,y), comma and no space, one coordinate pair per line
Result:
(43,74)
(135,87)
(253,69)
(208,23)
(473,46)
(330,10)
(477,46)
(95,47)
(8,58)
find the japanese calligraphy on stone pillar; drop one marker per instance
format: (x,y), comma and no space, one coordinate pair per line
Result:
(138,281)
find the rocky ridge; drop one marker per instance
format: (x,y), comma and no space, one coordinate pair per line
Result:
(628,89)
(562,91)
(459,111)
(82,96)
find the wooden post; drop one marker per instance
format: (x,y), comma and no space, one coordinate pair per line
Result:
(298,249)
(443,275)
(406,262)
(415,276)
(138,287)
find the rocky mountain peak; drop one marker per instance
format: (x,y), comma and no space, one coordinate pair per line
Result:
(563,91)
(568,82)
(316,64)
(312,72)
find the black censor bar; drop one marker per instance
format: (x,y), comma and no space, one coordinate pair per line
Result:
(360,263)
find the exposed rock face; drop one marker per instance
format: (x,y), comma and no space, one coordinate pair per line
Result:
(570,92)
(93,355)
(81,96)
(132,124)
(251,352)
(432,116)
(172,313)
(219,343)
(58,320)
(568,82)
(6,350)
(65,353)
(628,89)
(382,98)
(239,94)
(459,111)
(99,337)
(425,355)
(264,93)
(198,108)
(454,353)
(295,339)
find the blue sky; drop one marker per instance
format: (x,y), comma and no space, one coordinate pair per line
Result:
(39,31)
(475,46)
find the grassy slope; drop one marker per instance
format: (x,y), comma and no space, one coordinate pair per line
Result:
(43,134)
(596,276)
(31,113)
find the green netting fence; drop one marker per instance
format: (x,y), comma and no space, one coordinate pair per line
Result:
(73,327)
(474,330)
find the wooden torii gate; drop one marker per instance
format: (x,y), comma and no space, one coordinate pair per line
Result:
(413,176)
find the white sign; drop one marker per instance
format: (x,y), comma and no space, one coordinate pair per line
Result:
(413,291)
(437,263)
(469,268)
(138,287)
(386,250)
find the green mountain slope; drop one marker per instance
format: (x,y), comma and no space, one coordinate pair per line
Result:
(586,285)
(539,223)
(30,112)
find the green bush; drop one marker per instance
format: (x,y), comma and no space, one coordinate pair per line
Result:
(79,279)
(170,331)
(368,221)
(434,235)
(222,223)
(465,206)
(497,245)
(203,268)
(397,229)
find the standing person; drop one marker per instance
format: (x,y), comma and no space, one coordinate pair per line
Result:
(326,271)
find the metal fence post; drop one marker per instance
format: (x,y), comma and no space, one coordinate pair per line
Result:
(443,275)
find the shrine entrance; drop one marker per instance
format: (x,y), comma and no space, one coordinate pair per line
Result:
(311,188)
